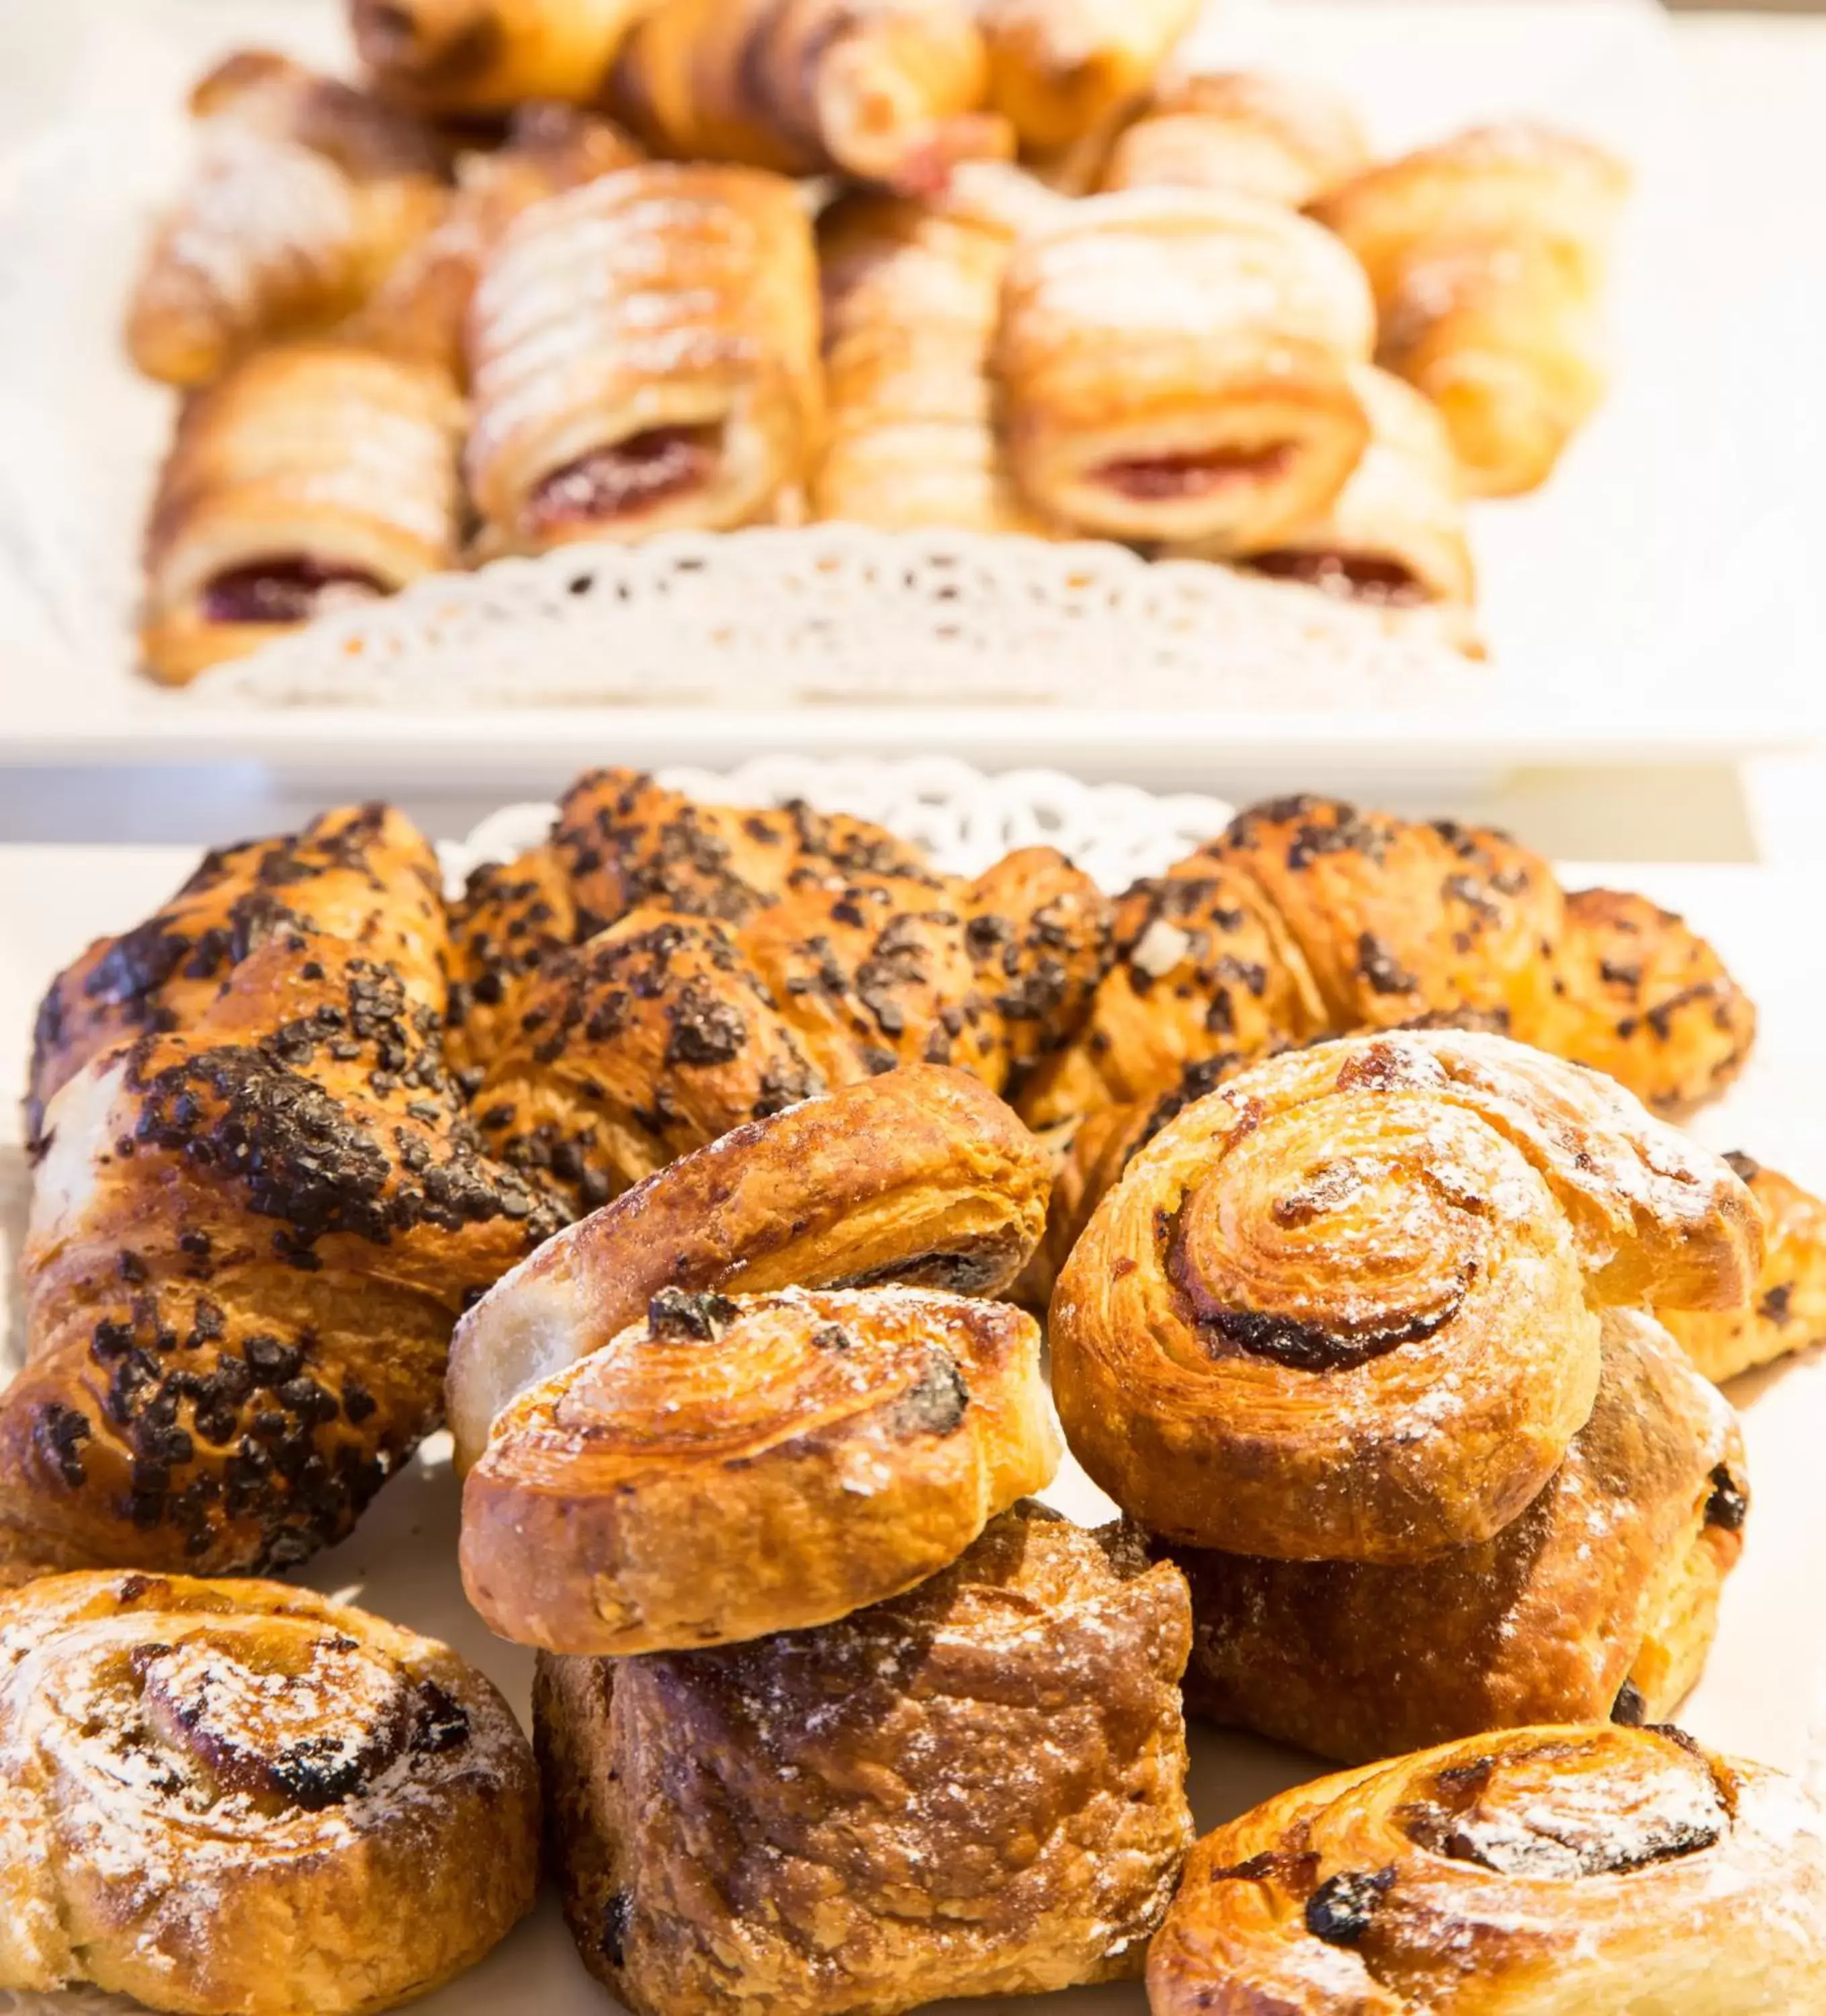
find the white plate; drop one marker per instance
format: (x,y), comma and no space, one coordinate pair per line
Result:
(1763,1688)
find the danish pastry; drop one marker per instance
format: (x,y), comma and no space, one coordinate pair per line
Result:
(1346,1307)
(644,355)
(1588,1869)
(1175,366)
(1599,1601)
(490,56)
(1286,140)
(977,1788)
(1062,70)
(920,1177)
(215,1796)
(511,917)
(731,1467)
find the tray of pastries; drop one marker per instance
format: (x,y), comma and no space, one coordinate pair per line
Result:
(1214,1437)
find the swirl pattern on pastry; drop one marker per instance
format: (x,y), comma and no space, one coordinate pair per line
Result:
(490,56)
(1061,70)
(732,1468)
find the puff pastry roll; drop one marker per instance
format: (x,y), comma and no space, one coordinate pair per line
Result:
(1061,70)
(1599,1602)
(1287,140)
(644,356)
(988,1775)
(1591,1868)
(490,56)
(920,1177)
(215,1796)
(304,194)
(312,477)
(887,90)
(1346,1307)
(1488,255)
(1175,365)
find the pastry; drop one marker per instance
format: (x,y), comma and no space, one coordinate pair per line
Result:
(511,917)
(976,1789)
(1346,1308)
(920,1177)
(221,1795)
(1548,1869)
(248,1246)
(1175,366)
(490,56)
(363,874)
(304,194)
(644,356)
(313,477)
(886,91)
(1487,254)
(1599,1601)
(1286,140)
(730,1466)
(1061,71)
(1786,1310)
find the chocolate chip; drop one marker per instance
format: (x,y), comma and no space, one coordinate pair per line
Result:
(1729,1506)
(1339,1911)
(676,1315)
(937,1402)
(832,1337)
(1629,1708)
(617,1916)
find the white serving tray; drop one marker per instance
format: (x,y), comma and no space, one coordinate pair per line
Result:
(1765,1688)
(1610,598)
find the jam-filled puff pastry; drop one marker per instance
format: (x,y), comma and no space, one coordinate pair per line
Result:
(488,55)
(1061,70)
(1285,139)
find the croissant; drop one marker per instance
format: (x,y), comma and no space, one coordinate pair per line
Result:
(249,1243)
(223,1795)
(920,1177)
(1487,255)
(1062,70)
(490,56)
(1346,1307)
(977,1788)
(364,874)
(511,917)
(1285,139)
(1175,366)
(304,194)
(1599,1601)
(312,477)
(887,90)
(644,353)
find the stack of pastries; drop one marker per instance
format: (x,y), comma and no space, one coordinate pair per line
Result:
(704,1167)
(554,270)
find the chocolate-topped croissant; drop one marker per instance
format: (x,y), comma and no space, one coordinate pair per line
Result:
(490,56)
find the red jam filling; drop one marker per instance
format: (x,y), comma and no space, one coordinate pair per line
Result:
(609,482)
(1160,478)
(1356,577)
(285,591)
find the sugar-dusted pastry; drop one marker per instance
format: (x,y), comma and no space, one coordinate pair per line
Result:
(1603,1870)
(304,194)
(1346,1307)
(976,1789)
(1599,1602)
(1061,71)
(886,91)
(730,1466)
(644,355)
(361,874)
(511,917)
(1488,256)
(920,1177)
(1785,1311)
(1288,140)
(248,1245)
(1175,365)
(490,56)
(313,476)
(220,1795)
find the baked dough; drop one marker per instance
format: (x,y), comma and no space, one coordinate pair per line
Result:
(490,56)
(511,917)
(1064,70)
(1285,139)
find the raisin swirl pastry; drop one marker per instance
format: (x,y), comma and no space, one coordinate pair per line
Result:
(1346,1307)
(1599,1601)
(921,1177)
(1287,140)
(729,1467)
(248,1246)
(1062,71)
(304,194)
(644,356)
(1175,366)
(1547,1869)
(214,1795)
(976,1789)
(489,55)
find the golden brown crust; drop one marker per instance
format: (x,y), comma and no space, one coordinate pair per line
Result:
(921,1176)
(1061,70)
(214,1796)
(1547,1622)
(511,917)
(729,1468)
(490,56)
(1287,140)
(976,1789)
(1343,1308)
(1584,1868)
